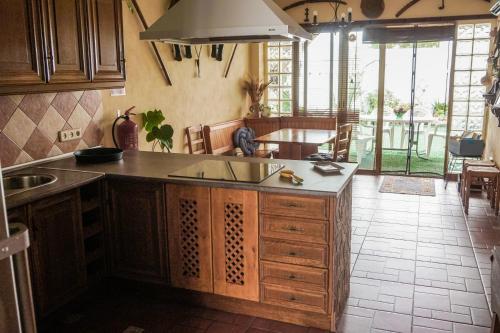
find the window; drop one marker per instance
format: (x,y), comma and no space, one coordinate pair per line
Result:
(279,73)
(471,62)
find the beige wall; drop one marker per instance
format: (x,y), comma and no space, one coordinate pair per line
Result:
(190,101)
(425,8)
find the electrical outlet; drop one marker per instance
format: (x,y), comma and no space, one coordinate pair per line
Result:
(72,134)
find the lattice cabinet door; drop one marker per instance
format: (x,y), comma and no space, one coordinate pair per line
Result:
(189,237)
(235,243)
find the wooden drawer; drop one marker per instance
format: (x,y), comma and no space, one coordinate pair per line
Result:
(294,229)
(295,206)
(294,298)
(294,276)
(293,253)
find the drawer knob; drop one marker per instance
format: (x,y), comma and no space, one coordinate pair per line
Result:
(292,298)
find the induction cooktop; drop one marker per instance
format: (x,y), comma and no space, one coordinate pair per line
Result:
(232,171)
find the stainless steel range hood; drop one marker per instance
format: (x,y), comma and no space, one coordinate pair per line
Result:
(194,22)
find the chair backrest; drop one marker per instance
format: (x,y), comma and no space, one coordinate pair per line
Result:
(263,126)
(219,137)
(195,140)
(309,123)
(343,142)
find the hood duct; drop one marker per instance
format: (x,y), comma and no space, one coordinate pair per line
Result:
(192,22)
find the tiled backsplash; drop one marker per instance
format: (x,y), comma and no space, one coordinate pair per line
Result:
(29,124)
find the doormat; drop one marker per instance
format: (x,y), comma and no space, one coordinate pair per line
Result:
(408,185)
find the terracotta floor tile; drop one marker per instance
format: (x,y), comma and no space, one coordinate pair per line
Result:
(390,217)
(392,322)
(444,236)
(387,247)
(381,295)
(446,254)
(442,222)
(448,277)
(385,268)
(392,231)
(218,327)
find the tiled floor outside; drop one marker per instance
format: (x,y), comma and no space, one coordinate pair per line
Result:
(417,266)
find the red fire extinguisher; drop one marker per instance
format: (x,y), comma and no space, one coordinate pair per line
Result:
(127,132)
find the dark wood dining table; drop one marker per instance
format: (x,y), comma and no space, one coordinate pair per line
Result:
(297,144)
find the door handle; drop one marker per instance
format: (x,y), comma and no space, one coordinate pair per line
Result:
(19,241)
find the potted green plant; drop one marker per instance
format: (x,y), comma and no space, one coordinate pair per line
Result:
(439,110)
(401,109)
(160,135)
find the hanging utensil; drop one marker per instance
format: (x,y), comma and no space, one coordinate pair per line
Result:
(198,49)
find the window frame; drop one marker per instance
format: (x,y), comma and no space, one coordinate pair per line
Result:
(293,85)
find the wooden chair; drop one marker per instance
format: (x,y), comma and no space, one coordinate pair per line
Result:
(343,143)
(195,140)
(341,149)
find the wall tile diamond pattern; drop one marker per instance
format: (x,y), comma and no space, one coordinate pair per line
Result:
(29,124)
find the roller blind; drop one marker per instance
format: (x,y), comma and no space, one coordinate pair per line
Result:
(408,34)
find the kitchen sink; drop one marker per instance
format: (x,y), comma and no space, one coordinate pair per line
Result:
(20,183)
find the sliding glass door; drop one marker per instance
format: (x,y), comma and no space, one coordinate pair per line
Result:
(415,107)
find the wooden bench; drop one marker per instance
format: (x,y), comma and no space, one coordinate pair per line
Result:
(219,137)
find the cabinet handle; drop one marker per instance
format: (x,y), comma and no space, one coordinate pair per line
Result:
(294,229)
(291,277)
(293,254)
(291,204)
(292,298)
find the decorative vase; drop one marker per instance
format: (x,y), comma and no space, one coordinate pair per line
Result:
(256,109)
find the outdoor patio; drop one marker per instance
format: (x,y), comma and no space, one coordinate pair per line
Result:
(395,160)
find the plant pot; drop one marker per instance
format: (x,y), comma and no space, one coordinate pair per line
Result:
(255,110)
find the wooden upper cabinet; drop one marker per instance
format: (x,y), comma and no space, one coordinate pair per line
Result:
(108,62)
(189,237)
(66,40)
(235,233)
(57,251)
(20,44)
(138,230)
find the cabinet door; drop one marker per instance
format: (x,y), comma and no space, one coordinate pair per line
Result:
(66,40)
(189,237)
(57,251)
(235,243)
(137,229)
(20,58)
(108,63)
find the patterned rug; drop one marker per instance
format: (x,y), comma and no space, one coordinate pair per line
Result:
(408,185)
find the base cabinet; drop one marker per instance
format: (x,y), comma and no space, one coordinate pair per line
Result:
(235,232)
(137,228)
(213,240)
(57,251)
(190,237)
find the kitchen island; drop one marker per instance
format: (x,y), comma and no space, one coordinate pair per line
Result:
(270,249)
